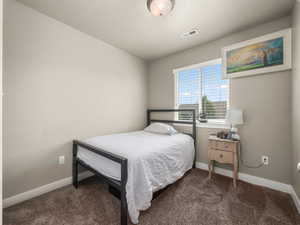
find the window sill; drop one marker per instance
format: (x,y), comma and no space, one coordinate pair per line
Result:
(207,125)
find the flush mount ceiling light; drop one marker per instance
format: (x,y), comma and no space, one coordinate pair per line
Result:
(160,7)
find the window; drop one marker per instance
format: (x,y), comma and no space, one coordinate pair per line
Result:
(201,87)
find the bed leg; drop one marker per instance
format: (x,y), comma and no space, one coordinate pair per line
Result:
(75,166)
(124,210)
(75,174)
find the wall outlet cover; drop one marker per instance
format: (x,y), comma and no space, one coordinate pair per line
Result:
(265,160)
(61,160)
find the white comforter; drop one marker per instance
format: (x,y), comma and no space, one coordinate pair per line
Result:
(154,161)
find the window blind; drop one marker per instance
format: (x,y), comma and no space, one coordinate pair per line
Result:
(202,88)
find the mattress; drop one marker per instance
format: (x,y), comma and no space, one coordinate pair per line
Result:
(154,161)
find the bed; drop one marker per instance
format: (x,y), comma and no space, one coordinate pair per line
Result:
(137,164)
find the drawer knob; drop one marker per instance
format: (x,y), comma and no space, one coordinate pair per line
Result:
(221,155)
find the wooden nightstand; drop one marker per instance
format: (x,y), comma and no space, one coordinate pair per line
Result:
(223,151)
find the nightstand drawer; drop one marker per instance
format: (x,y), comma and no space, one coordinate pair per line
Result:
(221,156)
(225,146)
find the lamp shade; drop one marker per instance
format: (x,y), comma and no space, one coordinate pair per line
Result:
(235,117)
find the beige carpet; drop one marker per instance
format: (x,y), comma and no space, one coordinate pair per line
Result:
(193,200)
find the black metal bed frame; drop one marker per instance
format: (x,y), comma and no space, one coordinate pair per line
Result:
(120,186)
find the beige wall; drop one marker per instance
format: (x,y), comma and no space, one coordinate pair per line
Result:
(61,84)
(57,85)
(296,97)
(266,100)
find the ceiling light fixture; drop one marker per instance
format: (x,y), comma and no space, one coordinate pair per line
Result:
(160,7)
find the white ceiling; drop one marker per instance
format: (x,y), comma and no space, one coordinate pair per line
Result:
(129,26)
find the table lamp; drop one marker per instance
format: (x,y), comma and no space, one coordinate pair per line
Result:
(234,117)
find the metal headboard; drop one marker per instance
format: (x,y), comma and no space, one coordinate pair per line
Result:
(193,122)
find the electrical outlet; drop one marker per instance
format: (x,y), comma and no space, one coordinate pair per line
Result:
(61,160)
(265,160)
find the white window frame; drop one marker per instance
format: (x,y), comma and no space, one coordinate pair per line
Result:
(210,123)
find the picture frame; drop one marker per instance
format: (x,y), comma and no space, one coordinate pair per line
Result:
(265,54)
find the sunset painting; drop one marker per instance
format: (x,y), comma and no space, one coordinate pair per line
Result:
(263,54)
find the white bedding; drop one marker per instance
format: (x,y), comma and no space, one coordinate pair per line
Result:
(154,161)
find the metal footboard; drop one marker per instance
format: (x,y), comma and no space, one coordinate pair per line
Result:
(119,185)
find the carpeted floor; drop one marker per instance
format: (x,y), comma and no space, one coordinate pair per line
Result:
(194,200)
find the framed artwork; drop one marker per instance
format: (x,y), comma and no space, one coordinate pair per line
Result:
(269,53)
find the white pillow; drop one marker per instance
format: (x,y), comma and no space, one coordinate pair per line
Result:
(161,128)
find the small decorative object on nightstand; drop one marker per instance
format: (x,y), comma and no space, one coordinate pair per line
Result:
(223,151)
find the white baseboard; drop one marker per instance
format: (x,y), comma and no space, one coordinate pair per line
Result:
(295,198)
(275,185)
(250,178)
(42,190)
(287,188)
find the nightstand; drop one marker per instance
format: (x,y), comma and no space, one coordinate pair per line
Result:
(223,151)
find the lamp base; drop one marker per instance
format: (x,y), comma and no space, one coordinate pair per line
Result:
(233,129)
(233,135)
